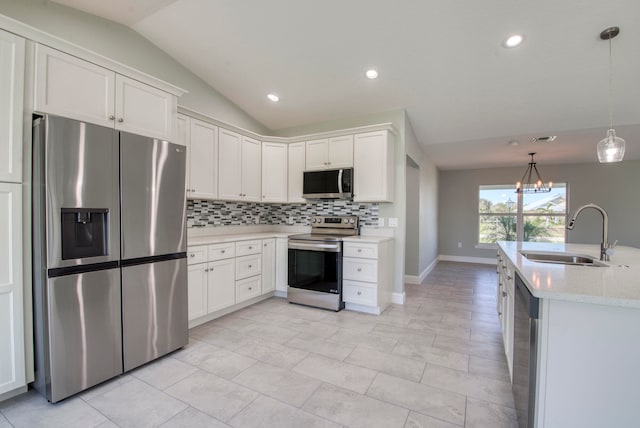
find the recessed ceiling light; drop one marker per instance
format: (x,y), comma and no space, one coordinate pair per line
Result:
(513,41)
(372,74)
(514,143)
(273,97)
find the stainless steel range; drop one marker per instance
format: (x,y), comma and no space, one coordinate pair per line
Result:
(315,262)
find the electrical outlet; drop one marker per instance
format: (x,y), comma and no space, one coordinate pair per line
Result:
(393,221)
(459,244)
(290,220)
(381,222)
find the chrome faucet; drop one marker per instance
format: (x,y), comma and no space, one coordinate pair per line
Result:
(606,249)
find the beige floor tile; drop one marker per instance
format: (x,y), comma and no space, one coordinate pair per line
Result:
(439,328)
(468,384)
(136,404)
(216,360)
(221,336)
(31,410)
(489,350)
(418,420)
(403,334)
(429,354)
(4,423)
(265,412)
(271,332)
(283,385)
(349,337)
(354,410)
(489,368)
(105,387)
(393,364)
(435,402)
(272,353)
(212,395)
(481,414)
(337,351)
(164,372)
(192,418)
(336,372)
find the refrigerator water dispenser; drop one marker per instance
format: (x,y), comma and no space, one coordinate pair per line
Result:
(84,232)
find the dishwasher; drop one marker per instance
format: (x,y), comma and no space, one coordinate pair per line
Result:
(525,352)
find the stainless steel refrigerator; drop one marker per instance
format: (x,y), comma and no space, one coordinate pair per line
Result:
(109,245)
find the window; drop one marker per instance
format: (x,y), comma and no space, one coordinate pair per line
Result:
(505,215)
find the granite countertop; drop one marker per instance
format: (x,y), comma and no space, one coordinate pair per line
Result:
(618,284)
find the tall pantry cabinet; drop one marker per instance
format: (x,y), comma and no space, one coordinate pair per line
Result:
(12,346)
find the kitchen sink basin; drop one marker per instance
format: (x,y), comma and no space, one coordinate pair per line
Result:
(562,258)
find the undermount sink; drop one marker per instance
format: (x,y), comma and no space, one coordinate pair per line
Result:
(562,258)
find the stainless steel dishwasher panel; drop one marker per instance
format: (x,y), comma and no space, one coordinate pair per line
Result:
(525,351)
(85,331)
(154,310)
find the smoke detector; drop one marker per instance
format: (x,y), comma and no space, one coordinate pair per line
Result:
(547,139)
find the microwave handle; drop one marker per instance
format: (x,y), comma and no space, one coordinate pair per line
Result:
(340,180)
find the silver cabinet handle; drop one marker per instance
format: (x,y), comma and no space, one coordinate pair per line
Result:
(508,276)
(120,119)
(359,269)
(359,250)
(112,117)
(192,255)
(222,251)
(249,266)
(206,270)
(265,245)
(250,288)
(251,248)
(359,293)
(504,294)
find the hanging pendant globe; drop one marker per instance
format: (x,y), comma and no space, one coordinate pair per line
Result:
(611,148)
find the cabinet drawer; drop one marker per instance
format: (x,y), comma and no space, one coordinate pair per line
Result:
(360,269)
(247,266)
(196,255)
(367,251)
(248,288)
(363,294)
(222,251)
(244,248)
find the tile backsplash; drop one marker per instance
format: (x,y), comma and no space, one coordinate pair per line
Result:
(219,213)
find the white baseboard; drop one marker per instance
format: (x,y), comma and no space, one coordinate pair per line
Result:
(398,298)
(280,293)
(373,310)
(412,279)
(479,260)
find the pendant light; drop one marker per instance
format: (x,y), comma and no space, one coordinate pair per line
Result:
(531,181)
(611,147)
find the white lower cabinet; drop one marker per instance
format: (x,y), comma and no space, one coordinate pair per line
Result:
(367,275)
(225,274)
(505,304)
(12,346)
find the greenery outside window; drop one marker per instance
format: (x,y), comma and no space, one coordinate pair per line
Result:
(505,215)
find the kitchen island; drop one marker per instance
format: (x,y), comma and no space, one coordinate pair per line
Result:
(588,350)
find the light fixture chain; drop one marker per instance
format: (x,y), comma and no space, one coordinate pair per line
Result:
(610,84)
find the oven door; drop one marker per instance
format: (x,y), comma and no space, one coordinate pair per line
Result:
(316,266)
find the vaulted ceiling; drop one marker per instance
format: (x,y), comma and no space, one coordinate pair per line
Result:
(466,96)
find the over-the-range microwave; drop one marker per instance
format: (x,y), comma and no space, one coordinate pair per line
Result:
(328,184)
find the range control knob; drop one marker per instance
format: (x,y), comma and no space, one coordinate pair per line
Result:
(314,220)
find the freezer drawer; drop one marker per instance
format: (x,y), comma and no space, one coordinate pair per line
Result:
(84,334)
(154,310)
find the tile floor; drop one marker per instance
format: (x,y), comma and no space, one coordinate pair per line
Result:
(435,362)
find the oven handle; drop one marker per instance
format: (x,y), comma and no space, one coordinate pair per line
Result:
(327,248)
(340,180)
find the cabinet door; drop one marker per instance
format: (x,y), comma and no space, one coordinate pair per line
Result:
(203,153)
(222,285)
(229,164)
(12,358)
(252,169)
(296,165)
(274,172)
(268,265)
(144,110)
(70,87)
(282,264)
(373,167)
(11,96)
(340,152)
(317,154)
(182,137)
(197,290)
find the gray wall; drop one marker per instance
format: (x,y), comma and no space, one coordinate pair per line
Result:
(124,45)
(615,187)
(412,244)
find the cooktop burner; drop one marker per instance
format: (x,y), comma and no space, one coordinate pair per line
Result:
(330,228)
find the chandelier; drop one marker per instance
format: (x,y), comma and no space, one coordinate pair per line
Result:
(531,181)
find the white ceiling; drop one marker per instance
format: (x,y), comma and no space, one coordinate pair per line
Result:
(442,61)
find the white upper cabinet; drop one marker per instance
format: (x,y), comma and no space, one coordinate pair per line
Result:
(144,110)
(296,165)
(11,96)
(329,153)
(70,87)
(274,172)
(203,159)
(239,167)
(373,167)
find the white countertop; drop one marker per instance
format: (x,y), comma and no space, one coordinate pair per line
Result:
(367,238)
(216,239)
(618,284)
